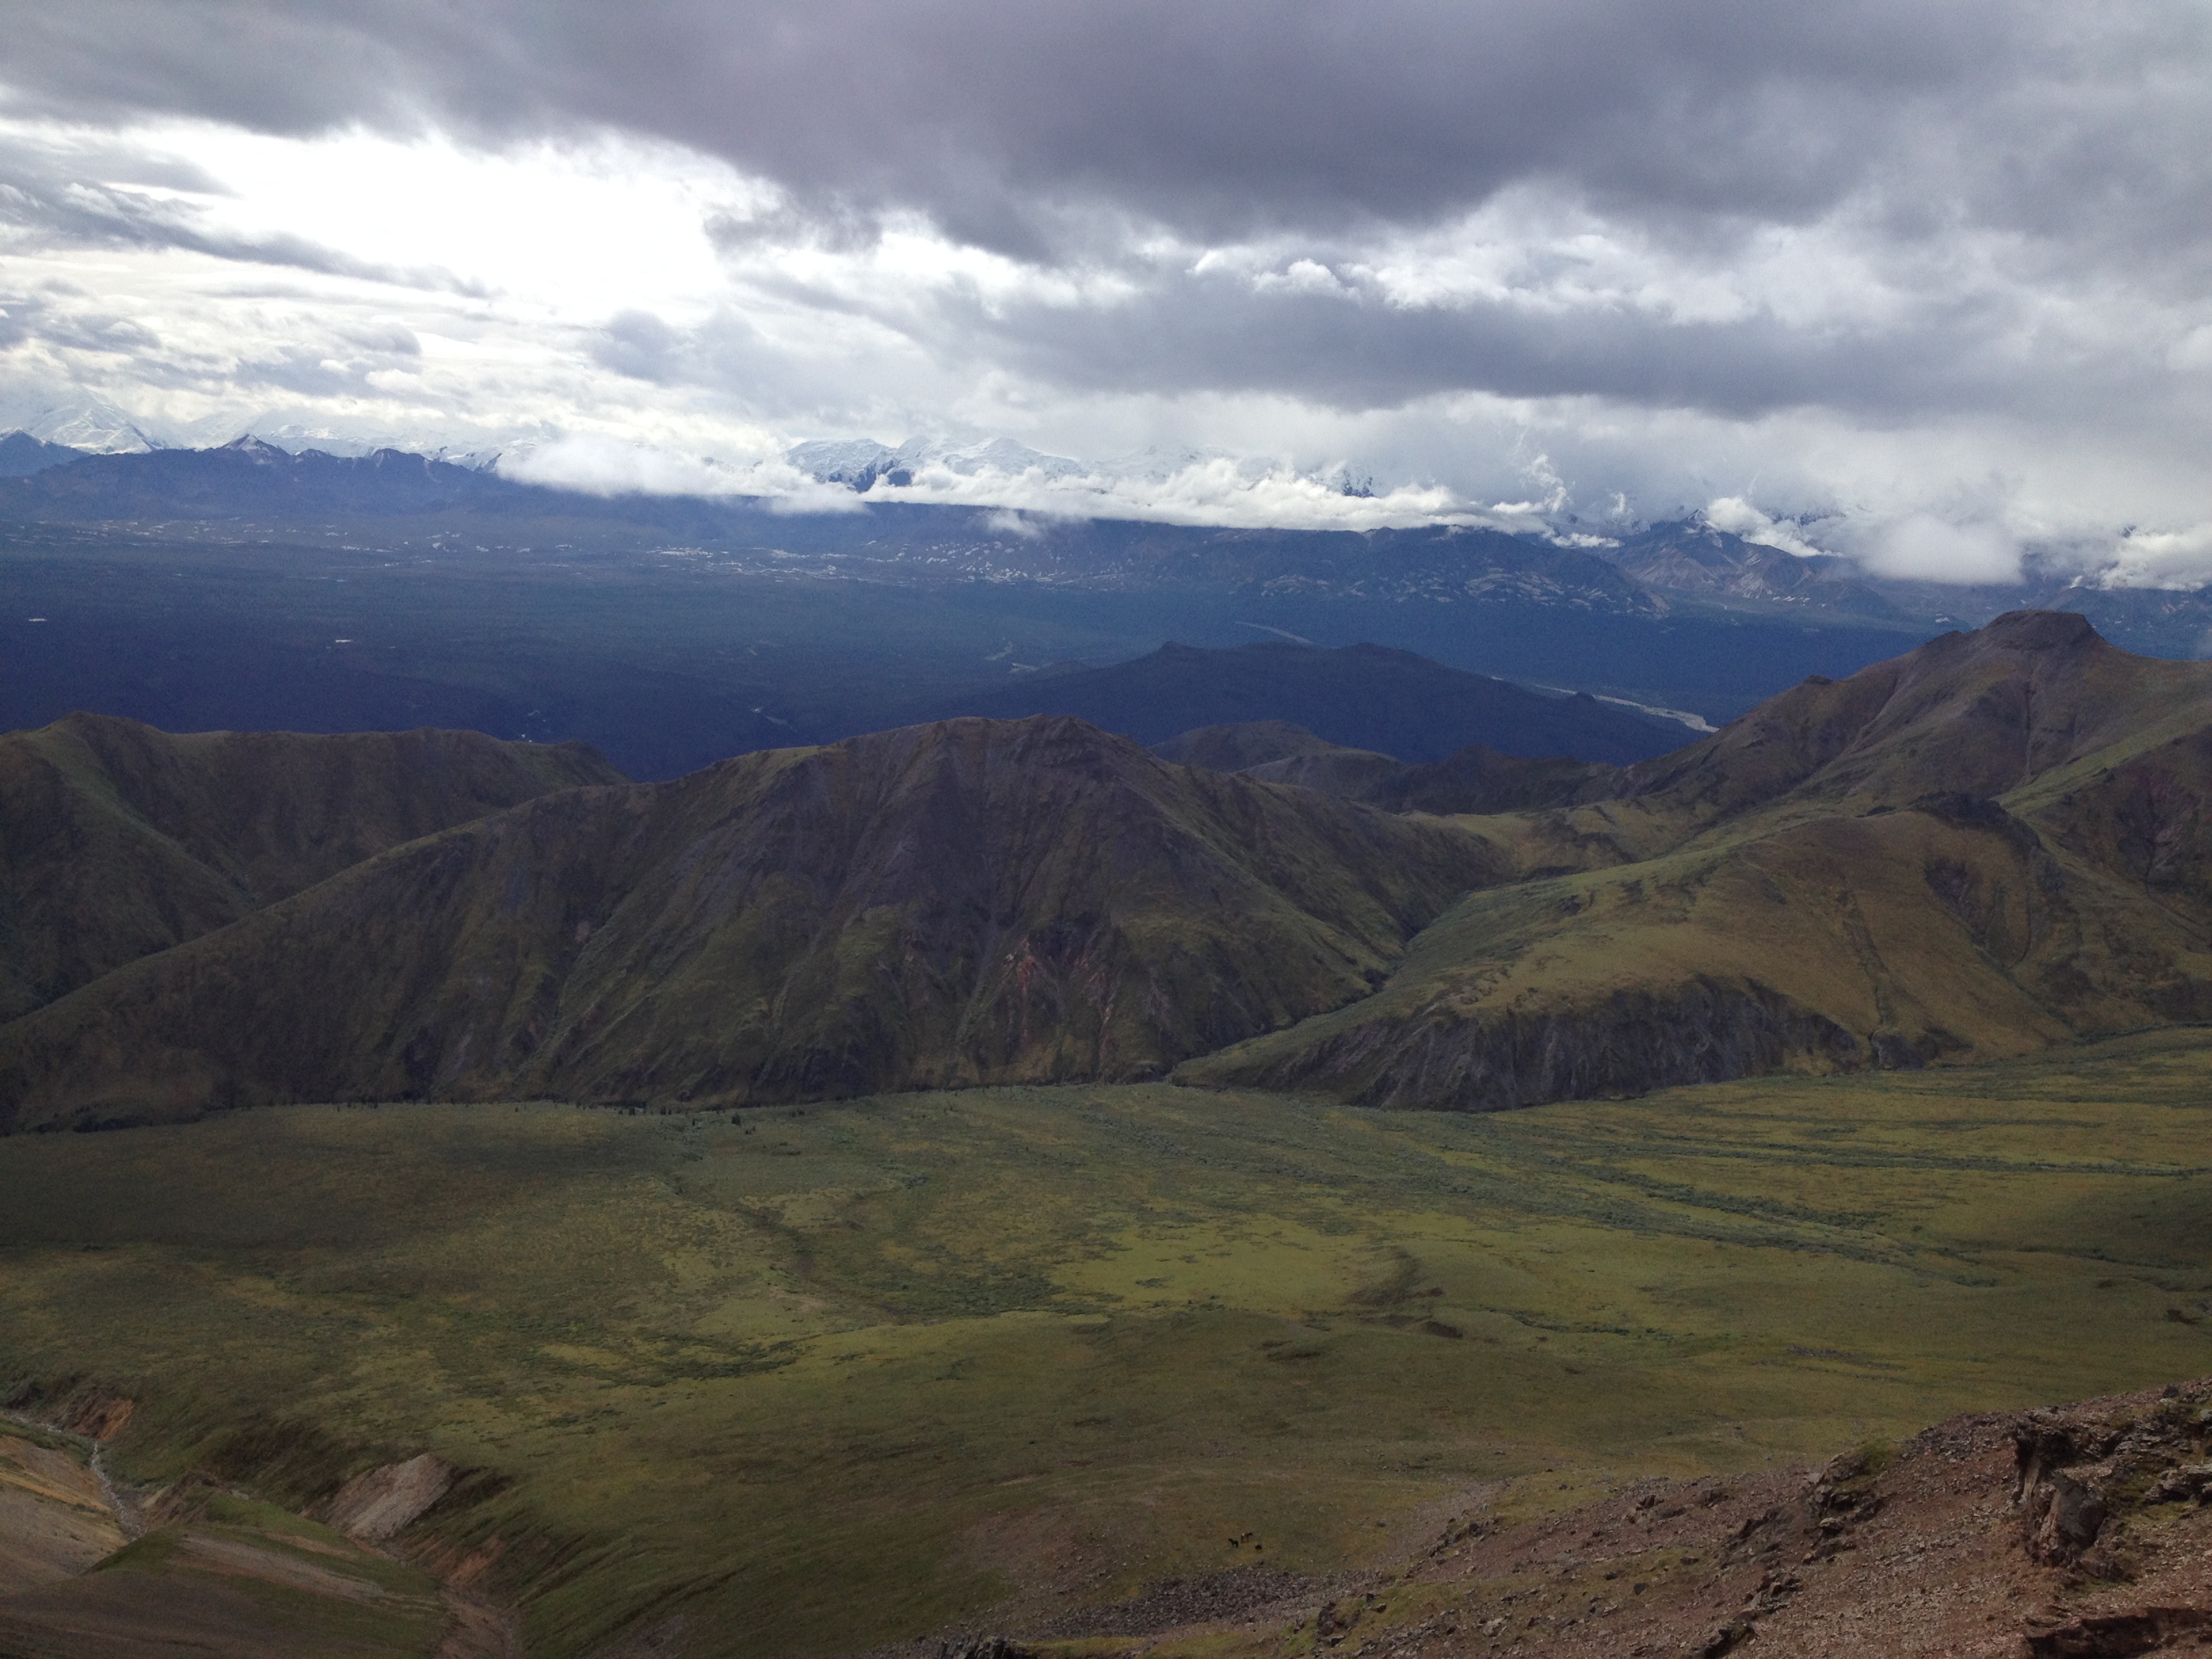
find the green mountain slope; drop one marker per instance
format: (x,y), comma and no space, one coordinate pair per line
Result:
(1988,846)
(118,840)
(971,902)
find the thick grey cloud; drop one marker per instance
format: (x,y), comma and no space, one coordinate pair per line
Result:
(1976,235)
(1219,120)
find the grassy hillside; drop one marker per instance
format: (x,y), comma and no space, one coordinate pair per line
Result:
(117,840)
(967,902)
(1982,714)
(1945,934)
(832,1376)
(1991,845)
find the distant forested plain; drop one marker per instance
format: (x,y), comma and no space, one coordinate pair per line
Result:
(667,659)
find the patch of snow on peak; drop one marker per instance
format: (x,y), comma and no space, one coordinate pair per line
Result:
(98,429)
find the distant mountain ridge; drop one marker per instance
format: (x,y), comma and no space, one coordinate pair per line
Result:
(1692,559)
(1360,696)
(246,476)
(1689,564)
(1476,780)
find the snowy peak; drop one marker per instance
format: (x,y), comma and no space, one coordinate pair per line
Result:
(254,449)
(860,463)
(93,428)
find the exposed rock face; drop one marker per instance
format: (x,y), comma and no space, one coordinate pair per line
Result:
(971,902)
(383,1502)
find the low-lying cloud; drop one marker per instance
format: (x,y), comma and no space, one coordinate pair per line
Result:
(1936,549)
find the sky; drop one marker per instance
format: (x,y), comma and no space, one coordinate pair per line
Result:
(1927,284)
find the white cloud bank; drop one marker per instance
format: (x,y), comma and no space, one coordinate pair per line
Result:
(1827,272)
(2162,558)
(1739,517)
(1937,550)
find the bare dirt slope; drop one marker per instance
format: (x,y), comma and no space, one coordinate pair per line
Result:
(54,1521)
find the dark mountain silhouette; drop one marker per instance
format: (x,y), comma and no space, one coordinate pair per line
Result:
(119,840)
(1473,780)
(1237,744)
(1992,844)
(248,476)
(21,455)
(966,902)
(1361,697)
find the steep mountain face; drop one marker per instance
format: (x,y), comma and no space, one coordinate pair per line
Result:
(1361,697)
(1992,844)
(967,902)
(117,840)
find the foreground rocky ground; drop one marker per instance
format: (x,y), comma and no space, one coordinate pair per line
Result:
(2079,1532)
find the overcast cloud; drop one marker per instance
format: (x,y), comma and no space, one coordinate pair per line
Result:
(1931,283)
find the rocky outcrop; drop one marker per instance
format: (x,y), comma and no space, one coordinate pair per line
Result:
(383,1502)
(1954,1542)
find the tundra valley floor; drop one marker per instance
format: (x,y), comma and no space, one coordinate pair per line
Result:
(824,1378)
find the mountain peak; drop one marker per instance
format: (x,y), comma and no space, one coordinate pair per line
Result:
(2040,630)
(1983,712)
